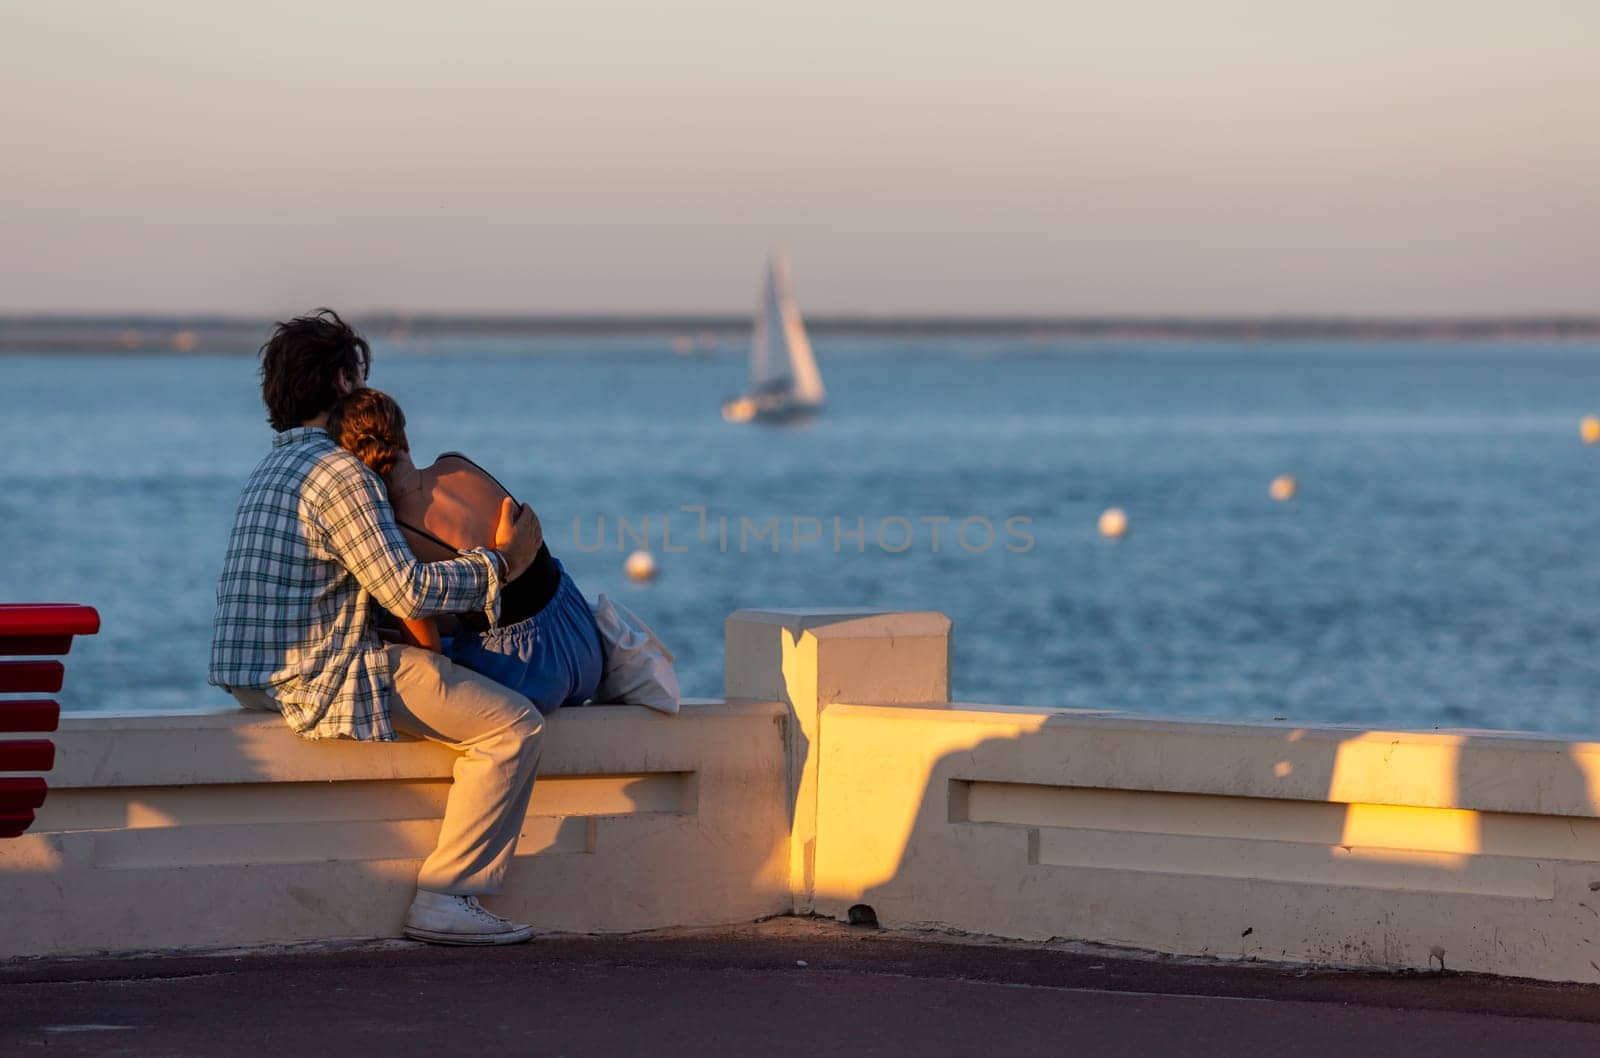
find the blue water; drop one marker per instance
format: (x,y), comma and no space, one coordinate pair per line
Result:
(1437,568)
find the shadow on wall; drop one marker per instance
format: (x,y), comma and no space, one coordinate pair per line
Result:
(1444,850)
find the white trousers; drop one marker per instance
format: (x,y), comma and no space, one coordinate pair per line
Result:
(499,735)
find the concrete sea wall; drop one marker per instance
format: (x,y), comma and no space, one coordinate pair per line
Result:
(837,772)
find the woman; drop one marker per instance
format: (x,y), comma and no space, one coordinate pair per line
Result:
(547,646)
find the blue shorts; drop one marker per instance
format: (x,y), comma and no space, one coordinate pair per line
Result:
(554,658)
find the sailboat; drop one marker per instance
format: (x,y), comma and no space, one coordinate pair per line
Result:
(785,385)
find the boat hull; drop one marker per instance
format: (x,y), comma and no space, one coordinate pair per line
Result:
(787,415)
(769,409)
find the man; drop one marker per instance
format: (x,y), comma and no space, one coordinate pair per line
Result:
(314,545)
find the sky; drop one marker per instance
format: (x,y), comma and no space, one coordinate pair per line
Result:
(987,157)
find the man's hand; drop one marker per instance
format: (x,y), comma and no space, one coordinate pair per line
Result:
(518,536)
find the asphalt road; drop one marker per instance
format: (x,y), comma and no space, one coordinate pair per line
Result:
(785,988)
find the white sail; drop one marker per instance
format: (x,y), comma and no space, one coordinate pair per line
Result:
(764,368)
(778,323)
(802,364)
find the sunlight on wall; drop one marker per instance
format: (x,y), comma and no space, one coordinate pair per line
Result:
(1426,773)
(1588,764)
(1420,835)
(888,779)
(798,665)
(31,854)
(810,659)
(1407,769)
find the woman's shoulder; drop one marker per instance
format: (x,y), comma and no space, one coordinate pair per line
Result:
(458,463)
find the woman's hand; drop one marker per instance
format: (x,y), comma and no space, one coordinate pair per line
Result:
(518,537)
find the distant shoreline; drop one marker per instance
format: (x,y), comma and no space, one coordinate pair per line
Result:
(214,334)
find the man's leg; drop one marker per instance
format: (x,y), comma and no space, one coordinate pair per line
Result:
(499,735)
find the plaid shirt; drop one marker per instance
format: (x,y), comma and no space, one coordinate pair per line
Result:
(314,544)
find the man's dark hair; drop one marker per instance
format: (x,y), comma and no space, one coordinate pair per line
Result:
(301,362)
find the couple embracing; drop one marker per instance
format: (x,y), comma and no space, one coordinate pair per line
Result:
(338,518)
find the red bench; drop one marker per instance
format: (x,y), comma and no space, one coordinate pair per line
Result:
(29,630)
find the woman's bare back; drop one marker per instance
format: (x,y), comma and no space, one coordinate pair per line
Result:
(456,502)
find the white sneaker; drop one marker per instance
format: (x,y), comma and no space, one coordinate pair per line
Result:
(440,918)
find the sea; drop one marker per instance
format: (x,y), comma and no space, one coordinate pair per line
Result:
(1436,567)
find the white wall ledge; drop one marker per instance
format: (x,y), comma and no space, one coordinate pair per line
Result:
(837,771)
(235,745)
(1481,771)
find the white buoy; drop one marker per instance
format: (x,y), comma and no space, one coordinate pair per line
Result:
(640,566)
(1589,429)
(1283,487)
(1113,522)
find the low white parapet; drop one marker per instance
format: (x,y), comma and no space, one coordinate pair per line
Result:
(226,829)
(1343,847)
(837,772)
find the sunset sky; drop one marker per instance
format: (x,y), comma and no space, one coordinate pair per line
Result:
(1406,156)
